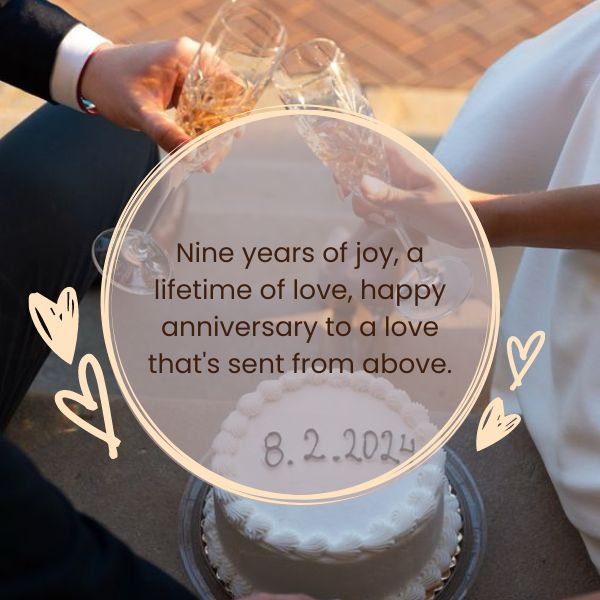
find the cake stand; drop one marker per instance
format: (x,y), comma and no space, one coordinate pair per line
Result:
(457,581)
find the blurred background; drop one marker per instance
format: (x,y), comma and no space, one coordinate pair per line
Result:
(433,43)
(419,58)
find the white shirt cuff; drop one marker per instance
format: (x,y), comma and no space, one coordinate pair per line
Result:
(72,54)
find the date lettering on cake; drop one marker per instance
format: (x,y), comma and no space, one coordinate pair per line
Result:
(370,437)
(387,454)
(274,454)
(404,448)
(372,446)
(312,456)
(350,455)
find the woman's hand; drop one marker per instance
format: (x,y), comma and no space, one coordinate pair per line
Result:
(133,86)
(414,199)
(562,218)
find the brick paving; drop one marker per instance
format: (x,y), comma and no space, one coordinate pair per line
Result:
(432,43)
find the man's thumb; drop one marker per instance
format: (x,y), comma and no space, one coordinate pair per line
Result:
(167,134)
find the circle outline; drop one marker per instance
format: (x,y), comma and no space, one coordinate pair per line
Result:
(455,420)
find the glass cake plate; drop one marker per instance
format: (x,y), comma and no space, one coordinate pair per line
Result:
(456,581)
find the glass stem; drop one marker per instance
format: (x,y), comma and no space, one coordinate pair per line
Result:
(156,213)
(424,273)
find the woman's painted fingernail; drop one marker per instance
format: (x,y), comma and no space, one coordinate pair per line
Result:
(374,187)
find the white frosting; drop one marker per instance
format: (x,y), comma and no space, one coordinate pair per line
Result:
(376,519)
(415,414)
(425,432)
(239,511)
(361,382)
(381,536)
(380,388)
(287,540)
(316,545)
(428,579)
(225,465)
(250,405)
(292,381)
(398,522)
(217,557)
(270,390)
(348,546)
(398,400)
(236,424)
(225,443)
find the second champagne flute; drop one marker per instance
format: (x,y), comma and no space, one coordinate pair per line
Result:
(316,74)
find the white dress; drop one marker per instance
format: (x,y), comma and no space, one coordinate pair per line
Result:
(533,122)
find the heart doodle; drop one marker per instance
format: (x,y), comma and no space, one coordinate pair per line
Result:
(527,353)
(57,322)
(494,425)
(86,399)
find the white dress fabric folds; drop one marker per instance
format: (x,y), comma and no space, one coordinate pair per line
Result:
(533,123)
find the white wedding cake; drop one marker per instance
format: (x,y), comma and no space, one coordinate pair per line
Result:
(393,543)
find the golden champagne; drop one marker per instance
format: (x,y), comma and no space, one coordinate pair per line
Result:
(214,101)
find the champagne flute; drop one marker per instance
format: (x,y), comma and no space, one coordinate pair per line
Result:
(238,55)
(316,74)
(241,50)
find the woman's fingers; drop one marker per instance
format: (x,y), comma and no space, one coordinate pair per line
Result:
(417,210)
(404,174)
(381,193)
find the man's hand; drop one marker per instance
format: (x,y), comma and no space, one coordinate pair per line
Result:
(134,85)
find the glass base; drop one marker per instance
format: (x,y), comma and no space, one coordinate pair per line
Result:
(139,264)
(449,271)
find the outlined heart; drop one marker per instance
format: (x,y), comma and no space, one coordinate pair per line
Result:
(57,322)
(527,353)
(86,399)
(494,425)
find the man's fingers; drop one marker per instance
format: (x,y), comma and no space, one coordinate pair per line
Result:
(167,134)
(187,49)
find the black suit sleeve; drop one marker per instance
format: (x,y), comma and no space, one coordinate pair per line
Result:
(30,33)
(49,550)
